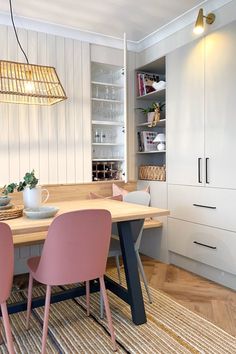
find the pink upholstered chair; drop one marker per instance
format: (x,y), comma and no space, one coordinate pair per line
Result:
(75,250)
(6,276)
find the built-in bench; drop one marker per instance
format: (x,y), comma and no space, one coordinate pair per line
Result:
(70,192)
(151,224)
(36,238)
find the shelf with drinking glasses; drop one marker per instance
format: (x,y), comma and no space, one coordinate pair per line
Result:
(108,133)
(107,144)
(106,84)
(105,122)
(108,152)
(107,111)
(106,100)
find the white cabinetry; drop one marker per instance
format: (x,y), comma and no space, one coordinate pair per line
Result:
(201,80)
(201,172)
(185,111)
(220,107)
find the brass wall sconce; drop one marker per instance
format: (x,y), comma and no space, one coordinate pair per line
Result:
(199,25)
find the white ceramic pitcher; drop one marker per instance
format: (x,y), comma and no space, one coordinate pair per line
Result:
(33,197)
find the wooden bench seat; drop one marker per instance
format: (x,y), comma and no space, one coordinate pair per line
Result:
(39,237)
(151,224)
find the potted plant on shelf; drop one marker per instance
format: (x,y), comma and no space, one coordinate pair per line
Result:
(32,192)
(153,112)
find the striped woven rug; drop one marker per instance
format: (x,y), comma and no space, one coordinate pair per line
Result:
(171,328)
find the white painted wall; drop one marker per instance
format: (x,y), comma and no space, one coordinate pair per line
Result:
(48,139)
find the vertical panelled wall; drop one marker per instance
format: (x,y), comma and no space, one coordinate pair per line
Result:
(48,139)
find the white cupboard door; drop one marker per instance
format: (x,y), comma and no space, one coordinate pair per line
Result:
(220,106)
(185,112)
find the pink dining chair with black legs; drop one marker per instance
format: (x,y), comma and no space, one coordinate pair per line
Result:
(6,277)
(74,251)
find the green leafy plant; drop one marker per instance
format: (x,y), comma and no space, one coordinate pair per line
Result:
(29,180)
(152,107)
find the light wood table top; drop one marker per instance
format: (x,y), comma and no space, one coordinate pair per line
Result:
(120,211)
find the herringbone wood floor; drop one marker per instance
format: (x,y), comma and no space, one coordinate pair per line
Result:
(208,299)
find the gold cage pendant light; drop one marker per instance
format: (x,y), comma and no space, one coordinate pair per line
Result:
(28,83)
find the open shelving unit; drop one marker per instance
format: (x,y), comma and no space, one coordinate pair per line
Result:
(144,156)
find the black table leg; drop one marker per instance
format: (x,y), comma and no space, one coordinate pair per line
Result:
(131,273)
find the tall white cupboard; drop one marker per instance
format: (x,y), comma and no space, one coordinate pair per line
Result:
(201,160)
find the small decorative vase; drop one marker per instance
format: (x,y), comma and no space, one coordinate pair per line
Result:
(150,117)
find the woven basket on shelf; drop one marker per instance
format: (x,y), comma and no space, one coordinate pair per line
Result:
(15,212)
(152,173)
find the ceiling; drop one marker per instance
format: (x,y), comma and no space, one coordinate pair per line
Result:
(138,18)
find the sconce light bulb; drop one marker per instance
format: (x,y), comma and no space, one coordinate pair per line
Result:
(198,29)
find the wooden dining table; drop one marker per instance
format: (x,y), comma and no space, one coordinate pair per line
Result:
(123,214)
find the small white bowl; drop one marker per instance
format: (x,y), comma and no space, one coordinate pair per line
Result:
(41,212)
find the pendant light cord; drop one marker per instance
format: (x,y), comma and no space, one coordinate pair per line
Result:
(17,38)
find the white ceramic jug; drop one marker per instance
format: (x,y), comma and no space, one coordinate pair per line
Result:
(33,197)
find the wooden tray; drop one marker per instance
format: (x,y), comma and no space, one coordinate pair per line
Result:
(15,212)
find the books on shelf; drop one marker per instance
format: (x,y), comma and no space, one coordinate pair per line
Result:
(142,80)
(145,141)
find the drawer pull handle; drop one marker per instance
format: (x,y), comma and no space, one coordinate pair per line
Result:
(202,244)
(207,159)
(204,206)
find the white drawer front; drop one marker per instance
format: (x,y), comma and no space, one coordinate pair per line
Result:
(202,243)
(208,206)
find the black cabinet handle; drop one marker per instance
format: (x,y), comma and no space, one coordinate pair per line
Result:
(204,206)
(199,169)
(204,245)
(207,159)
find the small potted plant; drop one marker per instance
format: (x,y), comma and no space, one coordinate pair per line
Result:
(32,192)
(29,181)
(153,112)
